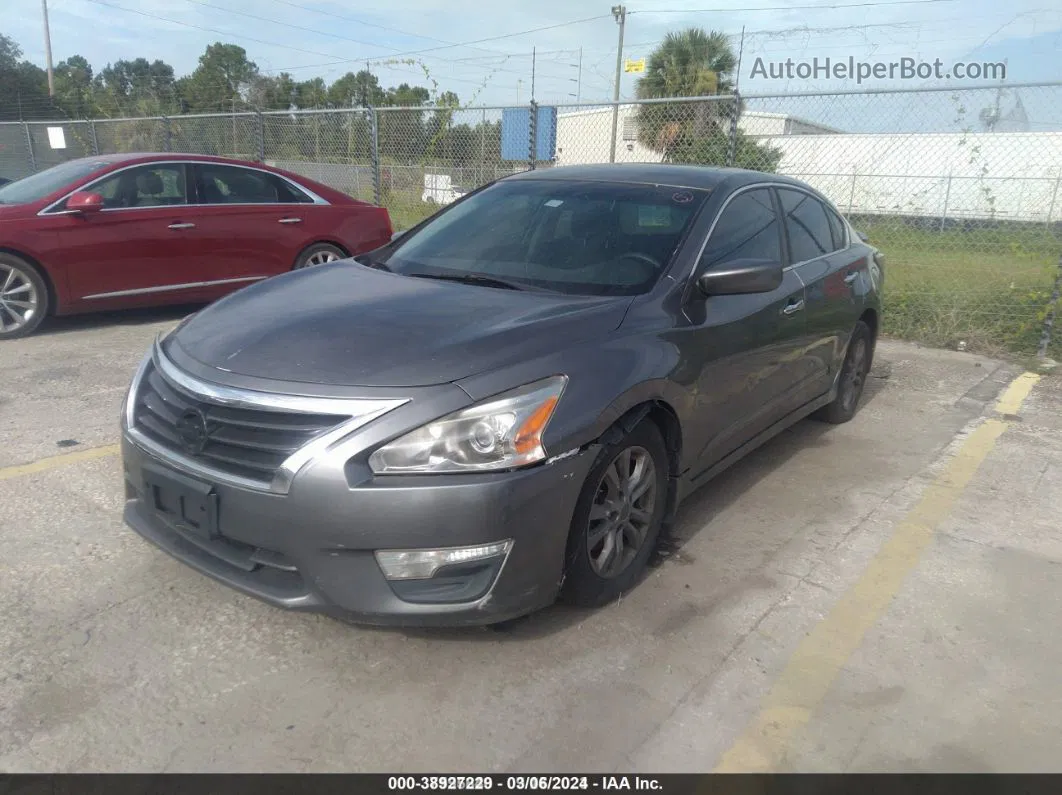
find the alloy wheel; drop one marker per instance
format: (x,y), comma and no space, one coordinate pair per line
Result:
(320,258)
(18,298)
(855,374)
(622,512)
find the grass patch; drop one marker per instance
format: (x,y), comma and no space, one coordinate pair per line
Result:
(988,287)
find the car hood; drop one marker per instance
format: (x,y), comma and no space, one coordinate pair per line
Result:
(348,325)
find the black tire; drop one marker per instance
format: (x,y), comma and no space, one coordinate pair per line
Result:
(852,378)
(585,583)
(24,298)
(319,254)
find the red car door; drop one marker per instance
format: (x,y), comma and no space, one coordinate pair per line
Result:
(143,241)
(254,223)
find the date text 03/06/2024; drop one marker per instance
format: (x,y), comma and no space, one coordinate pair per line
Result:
(522,783)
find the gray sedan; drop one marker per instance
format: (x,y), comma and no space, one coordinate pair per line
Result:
(505,405)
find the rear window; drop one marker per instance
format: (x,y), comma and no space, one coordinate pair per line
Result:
(583,238)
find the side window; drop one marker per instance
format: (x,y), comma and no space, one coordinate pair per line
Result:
(221,184)
(837,226)
(747,229)
(144,186)
(810,234)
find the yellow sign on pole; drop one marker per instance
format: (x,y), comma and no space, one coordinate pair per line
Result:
(634,66)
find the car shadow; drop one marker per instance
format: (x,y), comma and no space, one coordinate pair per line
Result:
(694,516)
(69,324)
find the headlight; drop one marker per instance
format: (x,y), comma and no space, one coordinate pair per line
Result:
(503,432)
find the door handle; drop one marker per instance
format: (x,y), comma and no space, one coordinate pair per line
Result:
(182,226)
(851,277)
(290,221)
(793,307)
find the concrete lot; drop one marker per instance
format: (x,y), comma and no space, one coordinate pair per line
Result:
(884,595)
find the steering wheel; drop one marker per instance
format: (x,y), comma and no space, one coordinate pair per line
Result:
(642,257)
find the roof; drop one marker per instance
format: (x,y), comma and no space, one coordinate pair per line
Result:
(671,174)
(132,157)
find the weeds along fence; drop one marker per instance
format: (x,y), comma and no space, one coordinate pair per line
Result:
(960,187)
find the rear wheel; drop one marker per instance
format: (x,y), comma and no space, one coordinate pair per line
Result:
(23,297)
(617,519)
(319,254)
(852,379)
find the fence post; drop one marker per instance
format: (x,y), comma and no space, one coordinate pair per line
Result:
(851,192)
(259,135)
(947,196)
(1054,198)
(732,153)
(374,127)
(95,140)
(532,154)
(29,147)
(1049,318)
(166,139)
(482,149)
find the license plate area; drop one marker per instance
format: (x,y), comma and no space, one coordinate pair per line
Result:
(187,504)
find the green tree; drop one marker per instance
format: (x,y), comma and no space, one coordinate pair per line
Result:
(224,76)
(696,63)
(135,88)
(73,87)
(23,86)
(407,95)
(361,89)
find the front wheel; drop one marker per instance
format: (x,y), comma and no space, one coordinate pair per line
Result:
(23,297)
(319,254)
(617,519)
(852,378)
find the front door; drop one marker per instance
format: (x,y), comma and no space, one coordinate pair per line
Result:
(746,348)
(143,241)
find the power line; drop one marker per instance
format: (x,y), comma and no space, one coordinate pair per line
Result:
(790,8)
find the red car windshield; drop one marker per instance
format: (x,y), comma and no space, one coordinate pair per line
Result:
(44,183)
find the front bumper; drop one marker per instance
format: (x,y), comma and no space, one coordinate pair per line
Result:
(313,548)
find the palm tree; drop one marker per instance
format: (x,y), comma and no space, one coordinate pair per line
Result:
(696,63)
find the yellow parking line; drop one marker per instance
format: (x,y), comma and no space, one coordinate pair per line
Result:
(1014,395)
(54,461)
(810,672)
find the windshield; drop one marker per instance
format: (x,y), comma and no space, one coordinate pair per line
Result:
(44,183)
(579,238)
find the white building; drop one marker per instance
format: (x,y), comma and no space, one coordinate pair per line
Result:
(1002,175)
(584,136)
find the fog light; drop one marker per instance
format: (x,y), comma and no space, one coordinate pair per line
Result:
(420,564)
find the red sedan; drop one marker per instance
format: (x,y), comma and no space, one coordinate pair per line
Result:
(119,231)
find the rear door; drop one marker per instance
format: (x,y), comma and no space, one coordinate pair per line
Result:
(745,348)
(831,270)
(254,222)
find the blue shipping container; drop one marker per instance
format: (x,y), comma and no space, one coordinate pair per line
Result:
(516,134)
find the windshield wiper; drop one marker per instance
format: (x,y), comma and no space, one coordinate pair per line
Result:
(470,278)
(369,262)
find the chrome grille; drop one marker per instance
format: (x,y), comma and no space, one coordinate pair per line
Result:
(248,443)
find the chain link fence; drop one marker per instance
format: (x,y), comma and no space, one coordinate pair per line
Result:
(960,188)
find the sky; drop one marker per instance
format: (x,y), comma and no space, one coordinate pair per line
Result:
(574,41)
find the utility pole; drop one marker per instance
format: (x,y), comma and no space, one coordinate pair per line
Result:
(579,80)
(620,14)
(48,49)
(533,51)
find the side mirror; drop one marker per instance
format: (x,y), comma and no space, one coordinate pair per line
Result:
(741,276)
(85,202)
